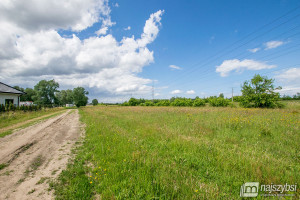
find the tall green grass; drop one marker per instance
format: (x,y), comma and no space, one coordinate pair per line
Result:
(181,153)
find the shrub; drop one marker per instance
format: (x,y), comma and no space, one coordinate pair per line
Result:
(133,102)
(182,102)
(149,103)
(163,103)
(198,103)
(219,102)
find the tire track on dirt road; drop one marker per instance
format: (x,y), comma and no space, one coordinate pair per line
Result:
(36,155)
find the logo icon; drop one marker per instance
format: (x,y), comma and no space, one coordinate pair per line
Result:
(249,189)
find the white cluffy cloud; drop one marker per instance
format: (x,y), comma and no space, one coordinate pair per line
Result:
(254,50)
(102,31)
(35,50)
(190,92)
(273,44)
(176,92)
(35,15)
(239,65)
(175,67)
(289,75)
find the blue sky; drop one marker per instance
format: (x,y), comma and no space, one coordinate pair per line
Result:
(212,46)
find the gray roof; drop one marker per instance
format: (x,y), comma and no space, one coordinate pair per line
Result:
(8,89)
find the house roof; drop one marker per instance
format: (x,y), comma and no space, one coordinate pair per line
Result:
(8,89)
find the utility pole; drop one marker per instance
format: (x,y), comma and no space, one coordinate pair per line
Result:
(232,95)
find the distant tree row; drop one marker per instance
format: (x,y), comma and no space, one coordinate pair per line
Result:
(180,102)
(46,93)
(259,92)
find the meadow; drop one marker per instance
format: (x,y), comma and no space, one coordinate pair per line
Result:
(181,152)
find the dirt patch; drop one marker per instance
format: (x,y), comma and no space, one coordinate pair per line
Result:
(35,155)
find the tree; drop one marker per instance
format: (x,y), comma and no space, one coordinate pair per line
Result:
(133,102)
(79,96)
(65,97)
(30,93)
(95,102)
(221,95)
(260,92)
(45,92)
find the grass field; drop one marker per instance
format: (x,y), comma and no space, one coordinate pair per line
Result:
(181,153)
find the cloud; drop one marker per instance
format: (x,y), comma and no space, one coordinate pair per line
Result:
(236,65)
(127,29)
(289,90)
(156,94)
(116,5)
(273,44)
(175,67)
(289,75)
(34,49)
(102,31)
(176,92)
(190,92)
(254,50)
(35,15)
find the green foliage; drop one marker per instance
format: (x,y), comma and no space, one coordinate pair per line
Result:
(259,93)
(218,102)
(79,96)
(95,102)
(163,103)
(198,102)
(182,102)
(65,97)
(45,92)
(133,102)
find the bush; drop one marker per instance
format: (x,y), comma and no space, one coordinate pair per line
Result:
(219,102)
(148,103)
(182,102)
(163,103)
(199,103)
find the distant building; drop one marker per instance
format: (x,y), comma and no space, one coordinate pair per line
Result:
(69,105)
(26,103)
(9,95)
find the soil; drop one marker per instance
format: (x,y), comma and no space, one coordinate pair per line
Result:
(35,155)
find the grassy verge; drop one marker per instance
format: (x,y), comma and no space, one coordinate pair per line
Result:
(11,118)
(10,131)
(181,153)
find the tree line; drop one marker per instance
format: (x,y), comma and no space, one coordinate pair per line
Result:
(45,93)
(259,92)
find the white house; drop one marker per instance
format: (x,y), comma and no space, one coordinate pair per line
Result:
(9,95)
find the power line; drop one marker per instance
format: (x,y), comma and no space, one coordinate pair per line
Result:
(231,50)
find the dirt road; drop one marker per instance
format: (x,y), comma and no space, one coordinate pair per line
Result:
(36,155)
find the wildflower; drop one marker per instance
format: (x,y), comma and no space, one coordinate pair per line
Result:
(196,190)
(91,182)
